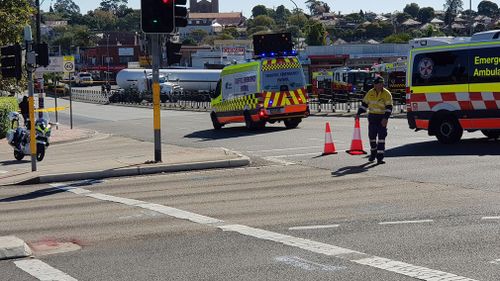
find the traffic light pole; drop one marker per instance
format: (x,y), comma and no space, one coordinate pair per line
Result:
(31,61)
(156,95)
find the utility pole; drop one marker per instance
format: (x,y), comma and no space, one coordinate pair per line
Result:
(41,92)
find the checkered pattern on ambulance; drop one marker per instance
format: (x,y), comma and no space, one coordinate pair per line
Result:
(280,63)
(280,99)
(459,101)
(239,104)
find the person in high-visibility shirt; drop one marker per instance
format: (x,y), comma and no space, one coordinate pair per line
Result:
(378,101)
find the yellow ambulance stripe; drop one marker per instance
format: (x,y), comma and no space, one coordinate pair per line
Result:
(302,96)
(268,98)
(294,97)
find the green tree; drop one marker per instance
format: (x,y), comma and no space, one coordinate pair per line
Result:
(317,7)
(399,38)
(113,6)
(315,33)
(198,35)
(15,16)
(452,8)
(259,10)
(101,20)
(487,8)
(402,17)
(412,9)
(282,15)
(426,14)
(189,42)
(66,8)
(129,22)
(265,21)
(354,17)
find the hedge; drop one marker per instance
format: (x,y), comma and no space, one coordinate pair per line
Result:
(7,105)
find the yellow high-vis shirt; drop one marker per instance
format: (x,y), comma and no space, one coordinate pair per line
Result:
(378,102)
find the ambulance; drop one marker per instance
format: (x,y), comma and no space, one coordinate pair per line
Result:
(455,87)
(271,88)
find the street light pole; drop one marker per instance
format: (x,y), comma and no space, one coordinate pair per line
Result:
(471,18)
(107,73)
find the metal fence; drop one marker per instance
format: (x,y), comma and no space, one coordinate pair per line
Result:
(325,103)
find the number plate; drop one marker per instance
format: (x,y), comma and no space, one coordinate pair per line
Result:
(276,110)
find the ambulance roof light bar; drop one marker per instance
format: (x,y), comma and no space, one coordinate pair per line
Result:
(273,45)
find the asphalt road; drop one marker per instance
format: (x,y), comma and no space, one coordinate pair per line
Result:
(431,211)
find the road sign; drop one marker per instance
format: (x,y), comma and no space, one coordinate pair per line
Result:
(55,65)
(69,64)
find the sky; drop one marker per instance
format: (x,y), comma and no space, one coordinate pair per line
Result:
(344,6)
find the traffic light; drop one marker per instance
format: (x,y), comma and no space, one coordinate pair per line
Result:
(42,54)
(157,16)
(173,53)
(11,61)
(180,13)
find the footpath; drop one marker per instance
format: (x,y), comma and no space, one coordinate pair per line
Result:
(83,154)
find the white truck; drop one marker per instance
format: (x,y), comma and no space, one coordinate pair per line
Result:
(83,79)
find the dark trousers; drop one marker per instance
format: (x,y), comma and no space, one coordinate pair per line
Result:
(375,129)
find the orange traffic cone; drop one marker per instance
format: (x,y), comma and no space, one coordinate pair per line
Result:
(329,146)
(357,143)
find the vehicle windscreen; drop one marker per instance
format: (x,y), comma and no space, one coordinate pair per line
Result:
(356,78)
(283,80)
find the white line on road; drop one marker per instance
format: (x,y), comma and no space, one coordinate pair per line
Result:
(418,272)
(298,155)
(43,271)
(490,218)
(308,265)
(495,261)
(3,172)
(313,227)
(279,161)
(284,149)
(404,222)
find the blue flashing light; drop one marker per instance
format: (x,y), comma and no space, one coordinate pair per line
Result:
(263,55)
(294,52)
(273,54)
(285,53)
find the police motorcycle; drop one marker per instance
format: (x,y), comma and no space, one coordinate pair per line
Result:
(19,137)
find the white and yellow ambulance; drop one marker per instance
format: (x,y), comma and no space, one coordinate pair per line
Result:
(454,85)
(271,88)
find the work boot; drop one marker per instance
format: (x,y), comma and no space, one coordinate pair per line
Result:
(372,157)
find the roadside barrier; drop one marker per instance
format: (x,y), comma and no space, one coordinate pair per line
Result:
(93,96)
(326,103)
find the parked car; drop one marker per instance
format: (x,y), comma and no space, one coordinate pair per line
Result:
(83,79)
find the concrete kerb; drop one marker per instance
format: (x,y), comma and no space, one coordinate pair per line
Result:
(138,170)
(12,247)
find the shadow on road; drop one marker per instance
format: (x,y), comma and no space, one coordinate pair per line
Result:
(48,191)
(229,133)
(479,147)
(13,162)
(33,195)
(350,170)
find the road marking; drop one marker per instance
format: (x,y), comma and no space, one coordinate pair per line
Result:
(308,265)
(43,271)
(3,172)
(495,262)
(284,149)
(490,218)
(279,161)
(418,272)
(404,222)
(313,227)
(298,155)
